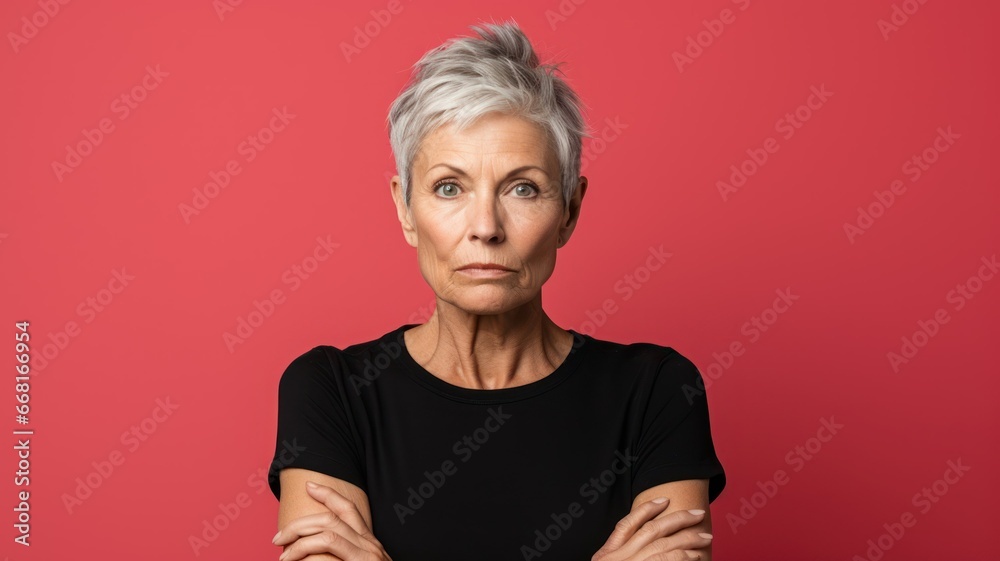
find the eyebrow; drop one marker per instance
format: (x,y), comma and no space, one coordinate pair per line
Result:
(515,171)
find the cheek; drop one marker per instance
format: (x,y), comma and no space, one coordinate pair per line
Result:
(536,246)
(436,247)
(535,235)
(540,266)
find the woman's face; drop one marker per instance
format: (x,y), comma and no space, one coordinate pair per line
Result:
(488,194)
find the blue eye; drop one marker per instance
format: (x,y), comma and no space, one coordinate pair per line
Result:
(454,188)
(440,184)
(525,185)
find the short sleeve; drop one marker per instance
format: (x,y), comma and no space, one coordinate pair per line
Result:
(315,428)
(675,442)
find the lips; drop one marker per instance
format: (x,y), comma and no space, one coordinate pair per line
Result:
(484,266)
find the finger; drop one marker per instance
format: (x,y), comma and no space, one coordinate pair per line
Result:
(314,524)
(672,555)
(664,527)
(678,545)
(342,507)
(325,542)
(628,525)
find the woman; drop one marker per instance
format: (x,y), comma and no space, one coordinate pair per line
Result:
(489,432)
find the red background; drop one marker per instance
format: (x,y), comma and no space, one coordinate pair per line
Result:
(654,185)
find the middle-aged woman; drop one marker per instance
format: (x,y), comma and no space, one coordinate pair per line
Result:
(489,432)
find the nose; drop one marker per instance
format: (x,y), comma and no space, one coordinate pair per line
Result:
(485,220)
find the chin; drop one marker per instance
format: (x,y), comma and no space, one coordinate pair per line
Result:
(492,300)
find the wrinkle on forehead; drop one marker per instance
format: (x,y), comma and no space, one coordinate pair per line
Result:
(525,143)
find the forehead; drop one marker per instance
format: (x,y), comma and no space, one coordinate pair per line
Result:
(496,136)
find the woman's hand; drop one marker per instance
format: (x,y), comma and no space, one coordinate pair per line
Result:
(642,536)
(341,532)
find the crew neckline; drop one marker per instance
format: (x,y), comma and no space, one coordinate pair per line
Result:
(581,343)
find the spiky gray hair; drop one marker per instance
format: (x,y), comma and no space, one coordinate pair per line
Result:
(468,77)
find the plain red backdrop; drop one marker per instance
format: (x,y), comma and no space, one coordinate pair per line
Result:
(82,207)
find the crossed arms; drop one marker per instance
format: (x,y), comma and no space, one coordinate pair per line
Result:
(296,503)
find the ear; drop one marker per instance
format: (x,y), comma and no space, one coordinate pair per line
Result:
(572,213)
(402,211)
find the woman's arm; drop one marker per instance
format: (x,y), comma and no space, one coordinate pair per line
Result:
(684,495)
(650,527)
(296,501)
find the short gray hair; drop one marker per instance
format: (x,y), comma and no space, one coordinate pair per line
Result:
(467,77)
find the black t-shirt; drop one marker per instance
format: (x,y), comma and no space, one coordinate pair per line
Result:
(539,471)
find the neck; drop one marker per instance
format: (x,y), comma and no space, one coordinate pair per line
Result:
(489,352)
